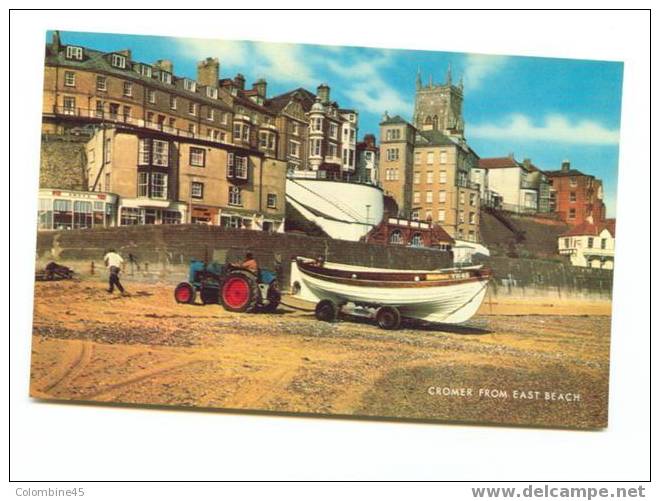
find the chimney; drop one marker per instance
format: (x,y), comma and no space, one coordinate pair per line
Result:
(126,53)
(239,81)
(260,86)
(208,72)
(370,140)
(55,41)
(165,65)
(323,93)
(511,155)
(565,166)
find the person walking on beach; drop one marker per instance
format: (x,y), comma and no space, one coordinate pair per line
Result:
(113,261)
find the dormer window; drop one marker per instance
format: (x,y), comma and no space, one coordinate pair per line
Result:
(190,85)
(118,61)
(74,52)
(165,77)
(145,70)
(212,92)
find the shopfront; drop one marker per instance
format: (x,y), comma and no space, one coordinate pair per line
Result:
(141,211)
(69,209)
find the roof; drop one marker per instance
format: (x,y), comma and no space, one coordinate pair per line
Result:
(396,119)
(433,137)
(591,229)
(499,163)
(278,103)
(570,172)
(95,60)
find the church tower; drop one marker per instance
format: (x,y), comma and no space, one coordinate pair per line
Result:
(439,106)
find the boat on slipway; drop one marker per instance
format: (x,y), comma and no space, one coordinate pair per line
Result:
(448,295)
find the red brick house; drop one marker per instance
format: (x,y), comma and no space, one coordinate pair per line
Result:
(576,196)
(396,231)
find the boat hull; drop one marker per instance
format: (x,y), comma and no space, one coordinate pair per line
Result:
(447,301)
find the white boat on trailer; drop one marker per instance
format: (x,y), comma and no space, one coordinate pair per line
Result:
(448,295)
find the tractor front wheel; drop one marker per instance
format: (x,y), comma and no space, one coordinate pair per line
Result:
(239,292)
(184,293)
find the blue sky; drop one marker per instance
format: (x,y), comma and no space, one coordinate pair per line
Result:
(540,108)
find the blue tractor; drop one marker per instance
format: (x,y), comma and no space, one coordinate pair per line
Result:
(236,288)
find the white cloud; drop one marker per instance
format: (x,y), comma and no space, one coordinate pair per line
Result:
(480,66)
(277,62)
(555,128)
(366,86)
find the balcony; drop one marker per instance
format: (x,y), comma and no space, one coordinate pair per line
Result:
(598,252)
(98,116)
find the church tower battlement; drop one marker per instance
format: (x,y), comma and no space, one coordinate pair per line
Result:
(439,106)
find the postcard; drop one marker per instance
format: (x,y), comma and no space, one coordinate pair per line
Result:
(326,230)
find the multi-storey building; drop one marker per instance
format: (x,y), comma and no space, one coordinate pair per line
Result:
(161,178)
(397,144)
(366,165)
(324,141)
(514,182)
(576,196)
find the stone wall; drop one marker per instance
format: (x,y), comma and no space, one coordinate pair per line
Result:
(167,249)
(63,162)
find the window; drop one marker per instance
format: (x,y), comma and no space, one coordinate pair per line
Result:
(429,176)
(108,150)
(351,158)
(173,102)
(442,196)
(101,83)
(165,77)
(241,167)
(396,238)
(590,242)
(295,128)
(443,157)
(317,124)
(567,243)
(192,108)
(69,105)
(395,174)
(473,199)
(171,122)
(315,146)
(212,92)
(230,165)
(237,130)
(461,217)
(461,197)
(69,79)
(415,215)
(333,130)
(143,184)
(430,158)
(197,190)
(160,153)
(197,156)
(416,197)
(209,113)
(151,96)
(418,157)
(118,61)
(393,134)
(417,240)
(114,111)
(246,133)
(235,196)
(171,217)
(145,70)
(108,183)
(271,201)
(392,154)
(150,118)
(472,219)
(130,215)
(332,149)
(294,149)
(603,243)
(128,89)
(441,215)
(190,85)
(573,181)
(572,196)
(571,213)
(74,52)
(429,197)
(192,128)
(443,176)
(158,185)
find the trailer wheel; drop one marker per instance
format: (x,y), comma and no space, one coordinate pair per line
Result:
(388,318)
(274,298)
(326,311)
(184,293)
(239,292)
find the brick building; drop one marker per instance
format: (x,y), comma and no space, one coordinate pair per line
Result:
(405,232)
(576,196)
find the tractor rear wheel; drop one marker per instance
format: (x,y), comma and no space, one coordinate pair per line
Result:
(184,293)
(388,318)
(239,292)
(326,311)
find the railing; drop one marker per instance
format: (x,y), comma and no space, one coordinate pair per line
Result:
(518,209)
(598,252)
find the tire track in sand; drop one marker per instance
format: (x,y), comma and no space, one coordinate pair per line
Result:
(71,370)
